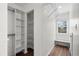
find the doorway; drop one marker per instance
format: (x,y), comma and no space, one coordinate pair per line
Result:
(30,32)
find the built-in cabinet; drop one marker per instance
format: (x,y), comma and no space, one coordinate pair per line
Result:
(19,30)
(16,31)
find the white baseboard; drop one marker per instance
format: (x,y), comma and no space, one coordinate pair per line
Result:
(50,49)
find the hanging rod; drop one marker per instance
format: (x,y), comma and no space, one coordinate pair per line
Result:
(11,10)
(11,35)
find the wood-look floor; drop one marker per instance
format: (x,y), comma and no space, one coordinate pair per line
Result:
(60,51)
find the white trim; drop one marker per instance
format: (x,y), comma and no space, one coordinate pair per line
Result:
(50,49)
(25,25)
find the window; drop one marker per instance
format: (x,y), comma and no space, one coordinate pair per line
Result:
(62,26)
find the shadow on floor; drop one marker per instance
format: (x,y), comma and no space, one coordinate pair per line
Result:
(30,52)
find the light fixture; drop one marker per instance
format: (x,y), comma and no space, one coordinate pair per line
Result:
(59,7)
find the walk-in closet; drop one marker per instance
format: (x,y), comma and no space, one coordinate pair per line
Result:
(16,31)
(20,32)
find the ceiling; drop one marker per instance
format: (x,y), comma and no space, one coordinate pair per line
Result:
(22,4)
(50,6)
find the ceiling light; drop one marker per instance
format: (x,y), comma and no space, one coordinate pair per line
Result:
(59,7)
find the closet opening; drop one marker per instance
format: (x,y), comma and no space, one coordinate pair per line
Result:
(30,33)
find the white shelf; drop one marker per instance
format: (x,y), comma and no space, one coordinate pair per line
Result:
(19,49)
(19,29)
(20,40)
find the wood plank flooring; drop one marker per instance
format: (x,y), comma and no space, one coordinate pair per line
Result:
(60,51)
(56,51)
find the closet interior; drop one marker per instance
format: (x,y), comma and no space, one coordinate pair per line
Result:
(20,32)
(30,31)
(16,31)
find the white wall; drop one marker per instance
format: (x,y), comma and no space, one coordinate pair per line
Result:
(49,33)
(43,30)
(74,19)
(3,29)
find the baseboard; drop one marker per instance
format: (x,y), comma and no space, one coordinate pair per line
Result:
(66,44)
(50,50)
